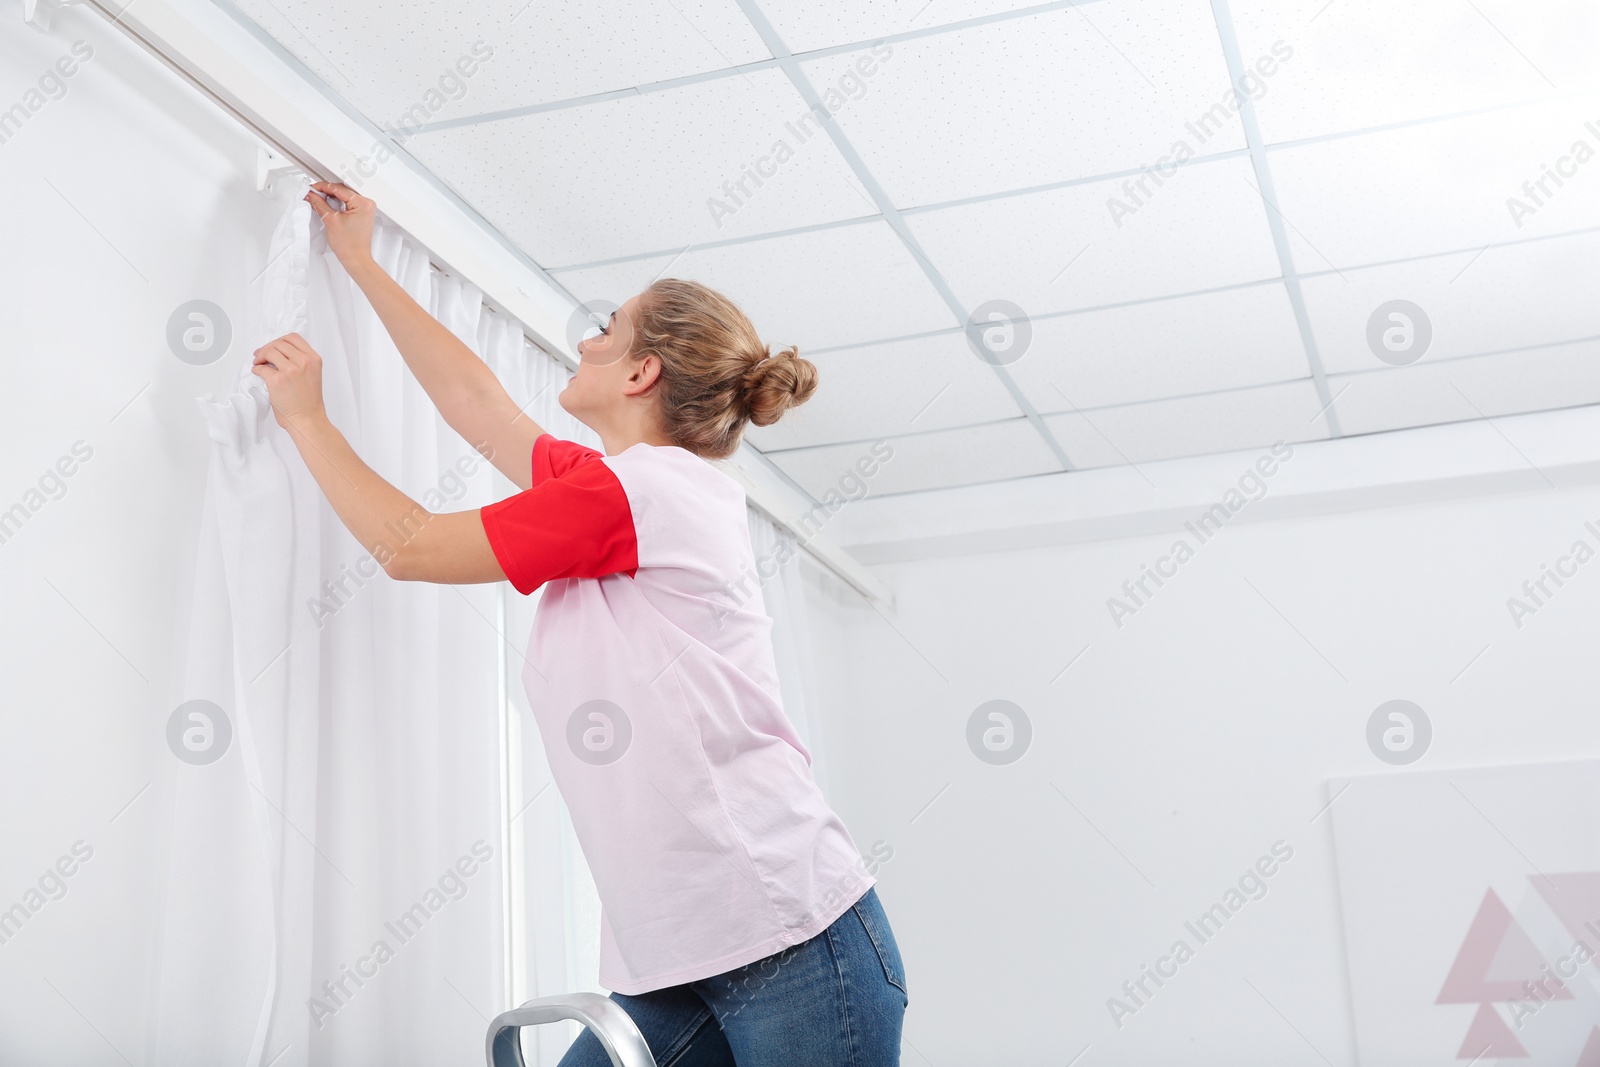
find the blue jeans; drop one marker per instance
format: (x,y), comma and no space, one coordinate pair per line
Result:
(836,1000)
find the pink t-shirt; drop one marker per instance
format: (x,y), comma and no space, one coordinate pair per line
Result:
(650,672)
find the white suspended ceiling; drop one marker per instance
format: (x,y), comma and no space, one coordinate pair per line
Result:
(976,149)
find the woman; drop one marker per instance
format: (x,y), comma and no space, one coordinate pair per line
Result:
(740,924)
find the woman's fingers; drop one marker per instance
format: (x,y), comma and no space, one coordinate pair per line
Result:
(297,344)
(349,231)
(277,354)
(319,205)
(337,189)
(288,351)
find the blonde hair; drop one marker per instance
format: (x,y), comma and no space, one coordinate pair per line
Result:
(716,373)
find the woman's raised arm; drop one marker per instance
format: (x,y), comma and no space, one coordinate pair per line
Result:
(461,386)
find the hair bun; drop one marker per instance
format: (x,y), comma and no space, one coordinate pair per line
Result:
(777,382)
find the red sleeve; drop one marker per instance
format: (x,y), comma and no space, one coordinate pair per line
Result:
(574,522)
(553,457)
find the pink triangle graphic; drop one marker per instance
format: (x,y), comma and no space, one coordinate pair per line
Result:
(1575,898)
(1518,959)
(1490,1038)
(1493,933)
(1590,1056)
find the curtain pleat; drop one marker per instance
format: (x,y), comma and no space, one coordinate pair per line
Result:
(319,906)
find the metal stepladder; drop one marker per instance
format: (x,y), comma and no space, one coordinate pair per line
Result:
(605,1017)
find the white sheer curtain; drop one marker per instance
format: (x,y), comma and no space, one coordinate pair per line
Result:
(337,881)
(334,890)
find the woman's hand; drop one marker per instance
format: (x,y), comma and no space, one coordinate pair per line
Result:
(293,373)
(350,230)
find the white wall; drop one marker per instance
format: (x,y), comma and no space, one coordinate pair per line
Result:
(124,198)
(1187,742)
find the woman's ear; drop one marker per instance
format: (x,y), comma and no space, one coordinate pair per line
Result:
(644,375)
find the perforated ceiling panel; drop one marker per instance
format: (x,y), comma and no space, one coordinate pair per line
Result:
(1186,226)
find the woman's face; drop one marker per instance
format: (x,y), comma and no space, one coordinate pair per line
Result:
(606,376)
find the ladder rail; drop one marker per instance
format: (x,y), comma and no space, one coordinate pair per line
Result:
(616,1030)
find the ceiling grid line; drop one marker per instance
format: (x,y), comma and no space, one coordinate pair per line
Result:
(966,201)
(886,207)
(1068,183)
(1228,288)
(726,242)
(884,494)
(742,68)
(1198,394)
(1269,196)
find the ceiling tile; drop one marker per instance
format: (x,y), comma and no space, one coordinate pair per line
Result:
(925,383)
(1204,227)
(824,23)
(1191,426)
(1459,390)
(647,173)
(1226,340)
(386,58)
(818,289)
(1436,188)
(1160,326)
(1501,298)
(1087,90)
(1356,64)
(937,460)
